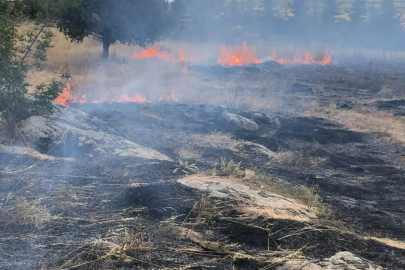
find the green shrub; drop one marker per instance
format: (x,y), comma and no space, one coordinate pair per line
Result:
(229,168)
(17,53)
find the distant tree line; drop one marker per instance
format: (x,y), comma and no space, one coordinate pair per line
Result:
(370,24)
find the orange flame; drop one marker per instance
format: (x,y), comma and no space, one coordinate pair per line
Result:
(67,97)
(238,56)
(234,56)
(154,52)
(172,97)
(124,98)
(307,59)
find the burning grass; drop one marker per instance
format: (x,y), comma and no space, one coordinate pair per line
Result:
(238,56)
(140,75)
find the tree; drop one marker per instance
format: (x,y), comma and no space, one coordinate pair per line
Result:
(128,21)
(385,24)
(331,9)
(299,22)
(200,20)
(268,16)
(15,50)
(358,13)
(357,25)
(391,27)
(240,18)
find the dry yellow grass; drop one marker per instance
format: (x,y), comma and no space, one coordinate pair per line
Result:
(362,119)
(305,195)
(78,59)
(20,212)
(390,242)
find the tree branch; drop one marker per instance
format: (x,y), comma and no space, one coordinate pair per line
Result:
(33,42)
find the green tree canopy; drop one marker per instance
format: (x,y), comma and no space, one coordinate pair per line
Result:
(127,21)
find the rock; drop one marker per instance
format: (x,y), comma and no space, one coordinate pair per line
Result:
(72,133)
(249,148)
(269,124)
(222,141)
(252,201)
(241,122)
(340,261)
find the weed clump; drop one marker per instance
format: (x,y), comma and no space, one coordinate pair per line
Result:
(186,168)
(229,168)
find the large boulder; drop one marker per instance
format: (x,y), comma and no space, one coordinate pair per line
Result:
(72,133)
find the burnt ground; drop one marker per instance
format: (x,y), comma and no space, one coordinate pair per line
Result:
(113,212)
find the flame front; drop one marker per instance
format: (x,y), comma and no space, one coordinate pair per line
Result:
(154,52)
(67,97)
(124,98)
(233,56)
(238,56)
(171,97)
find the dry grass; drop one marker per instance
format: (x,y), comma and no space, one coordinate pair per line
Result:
(79,59)
(362,119)
(17,212)
(135,238)
(194,147)
(149,78)
(189,153)
(307,196)
(299,159)
(390,242)
(202,213)
(216,139)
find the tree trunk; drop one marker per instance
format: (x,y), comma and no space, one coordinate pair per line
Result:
(106,47)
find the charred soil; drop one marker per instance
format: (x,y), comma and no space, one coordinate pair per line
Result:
(128,212)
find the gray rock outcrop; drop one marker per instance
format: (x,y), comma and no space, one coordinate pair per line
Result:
(72,133)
